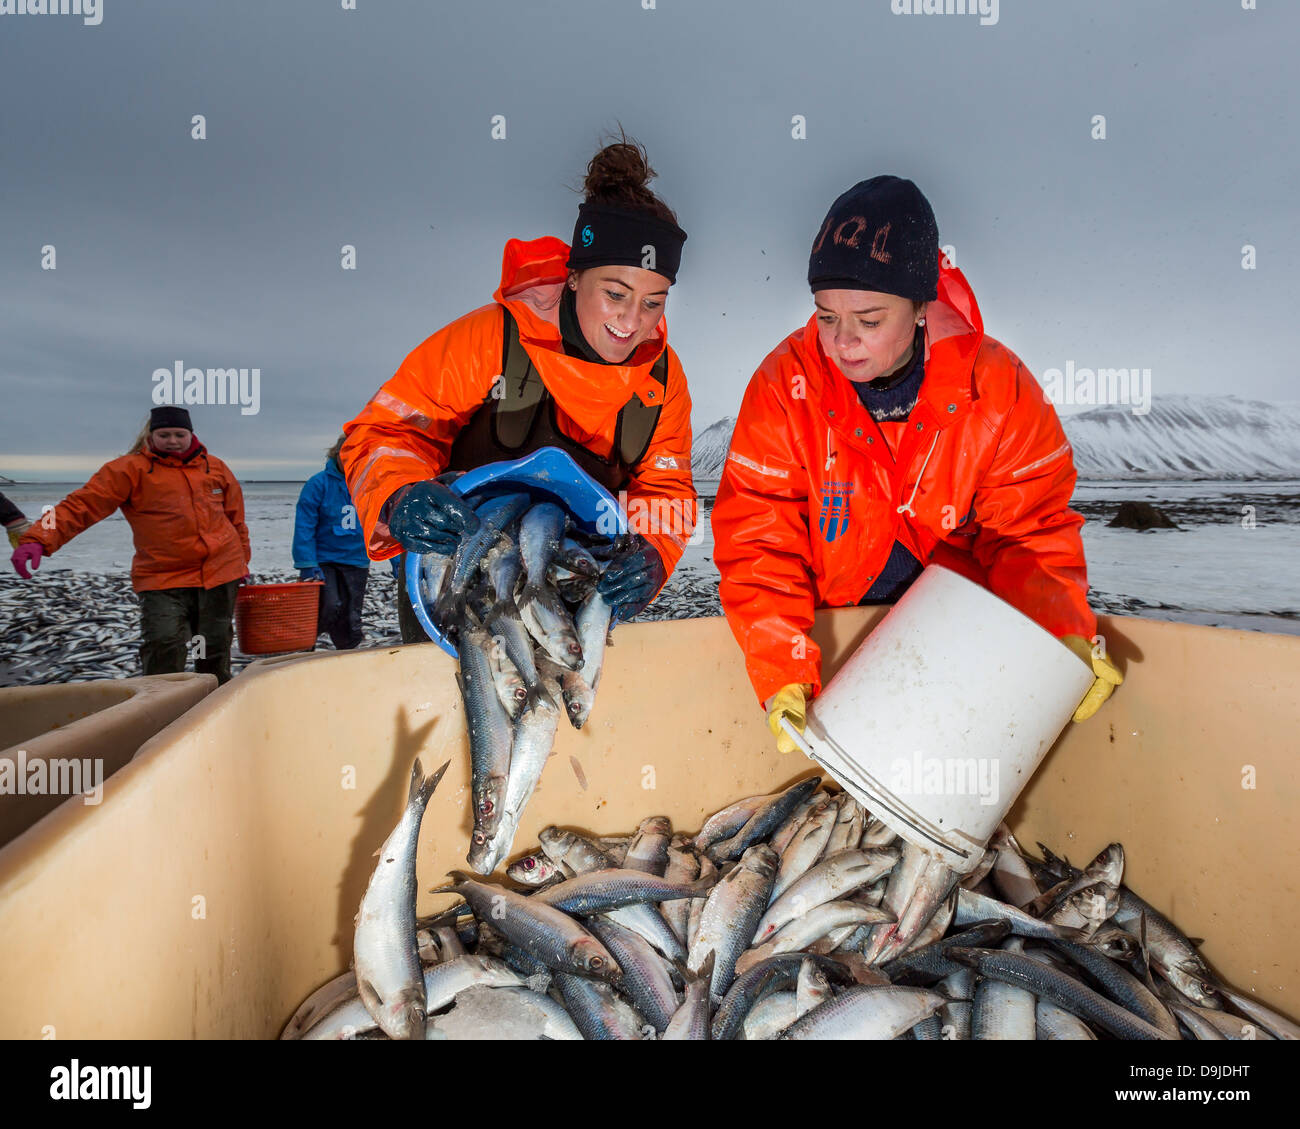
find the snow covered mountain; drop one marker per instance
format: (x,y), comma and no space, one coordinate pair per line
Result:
(709,450)
(1181,437)
(1186,436)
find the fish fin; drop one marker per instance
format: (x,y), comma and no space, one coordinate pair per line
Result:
(704,974)
(370,998)
(422,787)
(454,888)
(1195,942)
(1142,948)
(702,885)
(962,955)
(447,917)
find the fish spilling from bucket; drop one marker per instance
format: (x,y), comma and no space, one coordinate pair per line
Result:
(795,915)
(519,599)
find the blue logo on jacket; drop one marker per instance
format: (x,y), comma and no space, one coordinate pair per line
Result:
(833,521)
(588,236)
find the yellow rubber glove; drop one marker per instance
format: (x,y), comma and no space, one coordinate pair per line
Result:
(1108,676)
(792,702)
(17,530)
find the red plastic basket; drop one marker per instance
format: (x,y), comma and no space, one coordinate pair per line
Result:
(271,619)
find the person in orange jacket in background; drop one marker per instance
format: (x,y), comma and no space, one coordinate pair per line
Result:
(887,433)
(186,512)
(588,320)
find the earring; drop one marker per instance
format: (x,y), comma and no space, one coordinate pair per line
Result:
(920,321)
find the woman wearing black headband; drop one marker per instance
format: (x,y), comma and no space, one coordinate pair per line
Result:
(587,318)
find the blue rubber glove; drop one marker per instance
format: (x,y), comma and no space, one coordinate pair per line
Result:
(312,573)
(428,517)
(632,579)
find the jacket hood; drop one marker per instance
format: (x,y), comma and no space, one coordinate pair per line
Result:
(533,276)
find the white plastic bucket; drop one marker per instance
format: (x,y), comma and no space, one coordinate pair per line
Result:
(940,718)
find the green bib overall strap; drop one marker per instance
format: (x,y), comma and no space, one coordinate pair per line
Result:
(514,415)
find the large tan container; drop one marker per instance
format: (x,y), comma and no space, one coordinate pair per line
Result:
(216,885)
(81,731)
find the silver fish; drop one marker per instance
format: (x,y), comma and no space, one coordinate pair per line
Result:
(731,913)
(867,1012)
(389,979)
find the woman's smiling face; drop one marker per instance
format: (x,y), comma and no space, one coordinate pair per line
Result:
(864,332)
(618,307)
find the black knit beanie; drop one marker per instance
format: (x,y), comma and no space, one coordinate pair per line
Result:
(880,235)
(169,415)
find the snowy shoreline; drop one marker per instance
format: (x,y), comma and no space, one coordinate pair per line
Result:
(1230,564)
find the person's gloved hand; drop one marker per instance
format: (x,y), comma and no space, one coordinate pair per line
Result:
(429,517)
(792,702)
(632,579)
(27,555)
(1106,672)
(312,573)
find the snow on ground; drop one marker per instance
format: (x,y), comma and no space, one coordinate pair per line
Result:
(1217,569)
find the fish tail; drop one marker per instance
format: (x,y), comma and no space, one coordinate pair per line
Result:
(703,975)
(422,787)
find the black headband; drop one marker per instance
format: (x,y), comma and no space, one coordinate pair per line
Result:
(607,235)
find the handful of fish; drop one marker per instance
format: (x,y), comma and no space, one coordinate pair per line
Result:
(519,599)
(789,916)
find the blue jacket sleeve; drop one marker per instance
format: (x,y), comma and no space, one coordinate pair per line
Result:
(304,524)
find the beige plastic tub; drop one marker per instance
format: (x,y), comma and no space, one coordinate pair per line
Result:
(220,876)
(81,731)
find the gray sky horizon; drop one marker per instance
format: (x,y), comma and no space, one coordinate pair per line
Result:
(373,128)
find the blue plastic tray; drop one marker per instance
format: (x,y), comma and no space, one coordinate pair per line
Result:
(549,474)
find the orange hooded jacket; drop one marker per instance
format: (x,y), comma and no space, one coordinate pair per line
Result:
(405,433)
(186,515)
(812,497)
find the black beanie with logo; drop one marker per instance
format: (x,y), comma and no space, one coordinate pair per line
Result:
(879,235)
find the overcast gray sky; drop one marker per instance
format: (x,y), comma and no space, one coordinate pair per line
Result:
(372,127)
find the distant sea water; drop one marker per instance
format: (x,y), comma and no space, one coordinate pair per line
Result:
(1232,564)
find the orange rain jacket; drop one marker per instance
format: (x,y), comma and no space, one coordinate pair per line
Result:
(405,433)
(809,504)
(186,516)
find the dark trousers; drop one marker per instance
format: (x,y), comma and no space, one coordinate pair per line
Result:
(410,627)
(341,601)
(178,622)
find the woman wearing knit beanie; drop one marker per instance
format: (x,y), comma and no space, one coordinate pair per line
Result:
(587,318)
(186,512)
(887,433)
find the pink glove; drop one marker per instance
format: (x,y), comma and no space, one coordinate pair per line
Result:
(27,555)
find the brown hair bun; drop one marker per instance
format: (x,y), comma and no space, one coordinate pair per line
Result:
(619,174)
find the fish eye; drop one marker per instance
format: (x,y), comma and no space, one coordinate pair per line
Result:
(596,962)
(529,864)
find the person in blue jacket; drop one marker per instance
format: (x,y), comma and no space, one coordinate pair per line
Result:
(328,545)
